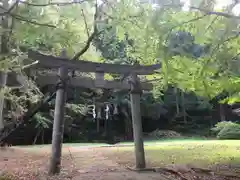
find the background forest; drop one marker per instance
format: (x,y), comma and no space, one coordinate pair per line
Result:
(197,87)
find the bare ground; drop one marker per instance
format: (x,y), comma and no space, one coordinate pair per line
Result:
(82,164)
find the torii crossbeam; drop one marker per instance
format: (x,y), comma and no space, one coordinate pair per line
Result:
(64,64)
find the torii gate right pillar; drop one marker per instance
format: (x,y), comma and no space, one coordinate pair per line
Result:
(137,122)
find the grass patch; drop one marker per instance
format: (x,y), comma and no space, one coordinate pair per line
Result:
(163,152)
(198,153)
(127,143)
(219,155)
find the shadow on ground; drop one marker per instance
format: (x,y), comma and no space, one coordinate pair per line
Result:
(80,164)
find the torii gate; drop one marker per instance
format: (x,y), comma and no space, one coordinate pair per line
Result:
(64,64)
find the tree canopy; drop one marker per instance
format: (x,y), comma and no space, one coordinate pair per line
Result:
(198,48)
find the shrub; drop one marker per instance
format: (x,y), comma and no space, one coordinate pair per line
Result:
(230,132)
(164,134)
(220,125)
(227,130)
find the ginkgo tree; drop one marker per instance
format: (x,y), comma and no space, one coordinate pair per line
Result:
(217,32)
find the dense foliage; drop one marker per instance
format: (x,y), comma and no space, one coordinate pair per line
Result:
(198,50)
(227,130)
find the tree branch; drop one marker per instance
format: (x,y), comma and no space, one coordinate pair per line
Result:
(24,19)
(90,38)
(9,10)
(183,23)
(226,15)
(211,23)
(85,22)
(223,14)
(53,3)
(86,47)
(222,41)
(191,20)
(236,56)
(21,18)
(217,47)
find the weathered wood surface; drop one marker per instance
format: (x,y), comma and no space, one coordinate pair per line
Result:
(99,80)
(58,125)
(135,97)
(3,81)
(49,61)
(44,80)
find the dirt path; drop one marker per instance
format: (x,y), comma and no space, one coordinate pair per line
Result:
(94,166)
(77,164)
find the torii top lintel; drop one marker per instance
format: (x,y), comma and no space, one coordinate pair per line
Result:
(49,61)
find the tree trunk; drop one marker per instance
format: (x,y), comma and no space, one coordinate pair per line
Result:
(5,27)
(4,51)
(106,126)
(36,137)
(3,81)
(43,136)
(183,107)
(129,129)
(177,100)
(98,117)
(98,124)
(222,113)
(128,124)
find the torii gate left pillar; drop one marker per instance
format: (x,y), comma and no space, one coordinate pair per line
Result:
(58,124)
